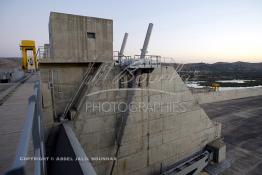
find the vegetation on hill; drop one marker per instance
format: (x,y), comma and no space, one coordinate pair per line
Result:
(222,71)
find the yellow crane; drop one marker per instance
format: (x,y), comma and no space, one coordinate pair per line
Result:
(29,58)
(215,86)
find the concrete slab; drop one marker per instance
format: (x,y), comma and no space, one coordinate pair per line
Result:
(241,128)
(169,126)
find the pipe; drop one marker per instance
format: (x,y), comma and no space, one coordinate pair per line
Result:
(121,53)
(148,34)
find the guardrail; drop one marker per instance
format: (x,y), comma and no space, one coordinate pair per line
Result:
(149,61)
(32,127)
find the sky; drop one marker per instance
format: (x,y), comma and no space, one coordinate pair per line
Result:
(186,30)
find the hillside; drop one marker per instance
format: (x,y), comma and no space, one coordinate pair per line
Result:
(7,63)
(223,70)
(222,67)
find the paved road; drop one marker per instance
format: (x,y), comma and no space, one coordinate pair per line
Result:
(12,116)
(242,131)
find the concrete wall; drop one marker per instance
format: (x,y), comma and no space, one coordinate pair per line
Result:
(211,97)
(152,139)
(62,80)
(76,38)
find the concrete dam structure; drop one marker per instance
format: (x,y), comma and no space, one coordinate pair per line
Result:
(91,110)
(143,119)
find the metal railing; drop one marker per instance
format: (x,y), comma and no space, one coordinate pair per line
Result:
(40,52)
(149,61)
(43,52)
(80,88)
(32,127)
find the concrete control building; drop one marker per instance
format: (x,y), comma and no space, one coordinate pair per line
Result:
(80,39)
(172,135)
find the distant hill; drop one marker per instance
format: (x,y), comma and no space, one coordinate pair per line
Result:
(7,63)
(224,67)
(218,70)
(223,70)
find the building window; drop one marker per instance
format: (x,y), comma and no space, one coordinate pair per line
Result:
(91,35)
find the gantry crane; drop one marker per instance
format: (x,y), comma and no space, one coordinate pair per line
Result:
(29,61)
(215,86)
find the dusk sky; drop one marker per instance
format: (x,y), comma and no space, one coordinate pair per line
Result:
(187,30)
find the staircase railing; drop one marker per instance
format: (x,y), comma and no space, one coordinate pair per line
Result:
(76,95)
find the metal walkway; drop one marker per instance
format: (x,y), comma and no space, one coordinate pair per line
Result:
(12,114)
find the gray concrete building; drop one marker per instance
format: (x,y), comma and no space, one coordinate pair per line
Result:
(75,38)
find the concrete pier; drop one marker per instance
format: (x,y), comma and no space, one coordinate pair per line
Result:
(211,97)
(152,139)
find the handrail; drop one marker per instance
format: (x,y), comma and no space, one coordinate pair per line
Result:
(32,127)
(40,52)
(77,92)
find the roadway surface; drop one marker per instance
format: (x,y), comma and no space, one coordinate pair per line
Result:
(242,131)
(12,116)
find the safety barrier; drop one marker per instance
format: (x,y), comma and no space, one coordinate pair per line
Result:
(32,127)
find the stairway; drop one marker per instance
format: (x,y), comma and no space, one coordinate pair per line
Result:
(74,101)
